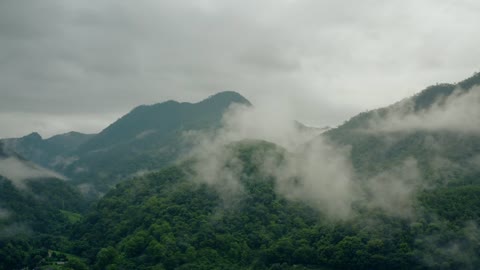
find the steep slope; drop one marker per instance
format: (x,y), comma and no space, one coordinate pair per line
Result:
(148,137)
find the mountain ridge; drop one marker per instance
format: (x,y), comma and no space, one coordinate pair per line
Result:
(251,204)
(377,141)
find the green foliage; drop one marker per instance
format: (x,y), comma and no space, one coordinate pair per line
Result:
(36,220)
(147,138)
(167,221)
(171,220)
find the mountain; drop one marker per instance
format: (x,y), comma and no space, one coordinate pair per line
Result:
(392,188)
(147,138)
(46,152)
(163,119)
(171,222)
(253,205)
(437,128)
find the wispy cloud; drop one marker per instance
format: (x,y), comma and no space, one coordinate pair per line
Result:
(18,171)
(459,112)
(311,170)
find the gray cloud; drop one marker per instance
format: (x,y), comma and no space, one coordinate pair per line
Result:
(311,170)
(83,60)
(320,175)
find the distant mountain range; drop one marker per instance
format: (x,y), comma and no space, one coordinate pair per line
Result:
(44,152)
(408,175)
(232,211)
(146,138)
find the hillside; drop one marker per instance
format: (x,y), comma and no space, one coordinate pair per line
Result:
(35,210)
(392,188)
(437,127)
(46,152)
(147,138)
(178,219)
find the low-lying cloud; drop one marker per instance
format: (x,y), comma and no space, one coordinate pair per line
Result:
(320,175)
(393,191)
(19,171)
(312,169)
(459,112)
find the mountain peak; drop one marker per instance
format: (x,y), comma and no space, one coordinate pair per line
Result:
(164,119)
(227,97)
(34,136)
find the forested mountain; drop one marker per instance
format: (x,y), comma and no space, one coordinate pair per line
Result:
(175,219)
(162,119)
(147,138)
(46,152)
(391,188)
(412,199)
(438,127)
(35,209)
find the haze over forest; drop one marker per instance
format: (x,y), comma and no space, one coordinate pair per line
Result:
(239,135)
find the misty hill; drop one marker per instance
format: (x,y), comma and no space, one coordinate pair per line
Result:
(34,218)
(38,185)
(148,137)
(35,208)
(437,127)
(179,218)
(162,119)
(18,169)
(46,151)
(432,94)
(392,188)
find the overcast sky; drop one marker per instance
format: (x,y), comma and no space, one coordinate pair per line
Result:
(79,65)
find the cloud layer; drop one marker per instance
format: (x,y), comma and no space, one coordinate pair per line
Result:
(81,64)
(311,169)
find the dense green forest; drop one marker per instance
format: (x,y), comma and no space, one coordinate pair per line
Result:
(35,219)
(167,221)
(243,207)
